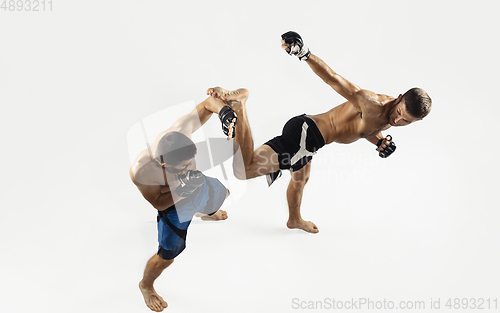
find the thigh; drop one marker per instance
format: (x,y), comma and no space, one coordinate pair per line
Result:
(264,161)
(302,175)
(170,244)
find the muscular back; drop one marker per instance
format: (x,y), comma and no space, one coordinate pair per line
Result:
(345,123)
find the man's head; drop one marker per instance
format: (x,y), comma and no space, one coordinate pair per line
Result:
(413,106)
(175,151)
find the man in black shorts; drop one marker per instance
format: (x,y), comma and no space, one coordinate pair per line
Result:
(365,114)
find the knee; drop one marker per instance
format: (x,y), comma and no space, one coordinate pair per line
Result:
(166,263)
(298,183)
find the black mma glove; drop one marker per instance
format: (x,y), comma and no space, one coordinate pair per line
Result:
(297,46)
(388,150)
(190,181)
(226,116)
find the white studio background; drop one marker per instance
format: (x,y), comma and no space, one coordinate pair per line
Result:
(76,233)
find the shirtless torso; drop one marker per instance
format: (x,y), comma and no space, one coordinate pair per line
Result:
(345,124)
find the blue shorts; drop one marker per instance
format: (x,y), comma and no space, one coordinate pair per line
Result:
(174,221)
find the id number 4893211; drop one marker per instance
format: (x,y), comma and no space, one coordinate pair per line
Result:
(26,5)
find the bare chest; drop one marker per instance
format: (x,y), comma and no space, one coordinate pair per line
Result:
(371,127)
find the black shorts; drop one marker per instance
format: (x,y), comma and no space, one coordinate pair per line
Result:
(298,142)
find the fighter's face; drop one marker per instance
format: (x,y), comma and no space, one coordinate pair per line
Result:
(399,116)
(180,168)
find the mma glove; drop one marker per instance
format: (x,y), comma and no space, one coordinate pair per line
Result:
(297,46)
(190,181)
(226,116)
(388,150)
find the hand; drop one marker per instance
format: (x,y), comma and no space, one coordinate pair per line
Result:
(232,129)
(228,119)
(386,146)
(285,46)
(292,43)
(190,181)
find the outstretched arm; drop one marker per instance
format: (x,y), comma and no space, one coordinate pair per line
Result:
(341,85)
(293,44)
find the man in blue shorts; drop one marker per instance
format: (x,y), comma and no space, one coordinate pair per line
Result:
(166,176)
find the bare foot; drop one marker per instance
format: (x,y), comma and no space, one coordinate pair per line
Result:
(304,225)
(227,95)
(217,216)
(152,299)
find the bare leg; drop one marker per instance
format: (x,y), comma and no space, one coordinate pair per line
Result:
(263,160)
(154,268)
(294,198)
(247,163)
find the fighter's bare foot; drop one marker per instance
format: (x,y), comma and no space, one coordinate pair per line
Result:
(227,95)
(304,225)
(217,216)
(152,299)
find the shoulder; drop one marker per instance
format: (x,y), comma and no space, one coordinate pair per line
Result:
(144,171)
(368,96)
(373,102)
(384,98)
